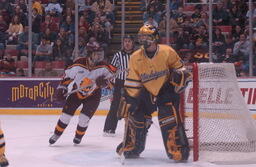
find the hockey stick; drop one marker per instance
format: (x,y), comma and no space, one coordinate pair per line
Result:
(126,129)
(94,84)
(104,98)
(81,88)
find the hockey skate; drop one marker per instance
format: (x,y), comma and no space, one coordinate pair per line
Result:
(127,154)
(109,133)
(53,139)
(131,156)
(3,161)
(77,140)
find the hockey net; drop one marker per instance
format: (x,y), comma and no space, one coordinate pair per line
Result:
(217,118)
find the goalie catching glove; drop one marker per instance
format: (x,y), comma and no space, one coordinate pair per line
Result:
(180,79)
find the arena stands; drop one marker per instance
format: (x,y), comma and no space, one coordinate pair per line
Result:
(53,24)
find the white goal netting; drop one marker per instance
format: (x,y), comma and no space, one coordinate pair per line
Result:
(227,131)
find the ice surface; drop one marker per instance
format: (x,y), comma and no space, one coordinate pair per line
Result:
(27,145)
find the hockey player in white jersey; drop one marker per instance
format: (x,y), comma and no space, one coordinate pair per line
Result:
(88,75)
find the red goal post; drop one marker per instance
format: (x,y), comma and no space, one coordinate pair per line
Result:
(217,120)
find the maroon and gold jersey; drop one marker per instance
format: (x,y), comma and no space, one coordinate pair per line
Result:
(153,72)
(81,74)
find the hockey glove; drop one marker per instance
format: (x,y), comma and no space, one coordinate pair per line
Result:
(60,93)
(180,79)
(101,82)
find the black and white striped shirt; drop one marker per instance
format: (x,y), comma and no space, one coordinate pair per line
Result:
(121,61)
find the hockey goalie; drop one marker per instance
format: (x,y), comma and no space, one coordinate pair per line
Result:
(155,79)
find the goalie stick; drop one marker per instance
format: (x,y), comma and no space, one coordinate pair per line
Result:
(122,157)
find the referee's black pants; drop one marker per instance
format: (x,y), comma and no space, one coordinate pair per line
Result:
(111,120)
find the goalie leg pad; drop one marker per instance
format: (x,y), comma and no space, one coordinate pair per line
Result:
(143,136)
(123,108)
(127,104)
(173,133)
(128,146)
(135,136)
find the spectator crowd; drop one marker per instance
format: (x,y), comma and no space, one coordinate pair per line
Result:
(189,26)
(53,31)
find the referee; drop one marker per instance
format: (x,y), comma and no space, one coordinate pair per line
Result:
(120,60)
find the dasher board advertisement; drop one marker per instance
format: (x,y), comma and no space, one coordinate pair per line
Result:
(223,95)
(248,89)
(35,93)
(39,92)
(28,93)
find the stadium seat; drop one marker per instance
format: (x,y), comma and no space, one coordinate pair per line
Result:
(58,64)
(12,52)
(189,8)
(56,20)
(184,50)
(164,40)
(225,29)
(40,64)
(22,64)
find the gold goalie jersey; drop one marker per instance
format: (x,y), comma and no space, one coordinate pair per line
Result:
(153,72)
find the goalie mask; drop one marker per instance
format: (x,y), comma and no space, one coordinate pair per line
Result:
(147,35)
(95,52)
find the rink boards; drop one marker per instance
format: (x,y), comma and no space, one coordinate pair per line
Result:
(34,96)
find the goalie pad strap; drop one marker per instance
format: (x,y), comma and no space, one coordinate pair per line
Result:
(122,109)
(127,104)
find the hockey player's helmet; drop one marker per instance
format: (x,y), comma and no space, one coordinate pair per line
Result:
(93,47)
(95,52)
(147,35)
(128,43)
(128,37)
